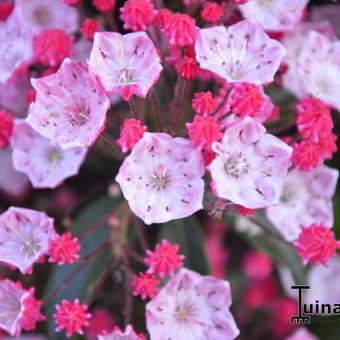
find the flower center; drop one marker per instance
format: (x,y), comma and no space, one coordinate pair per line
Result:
(236,166)
(126,76)
(160,181)
(54,156)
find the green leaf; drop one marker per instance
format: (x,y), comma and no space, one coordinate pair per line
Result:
(84,281)
(188,233)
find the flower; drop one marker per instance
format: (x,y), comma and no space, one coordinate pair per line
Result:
(327,146)
(257,265)
(305,199)
(301,334)
(100,322)
(64,249)
(104,6)
(40,15)
(70,107)
(316,244)
(45,165)
(211,12)
(130,133)
(320,68)
(191,307)
(246,99)
(52,47)
(88,28)
(240,53)
(132,67)
(6,8)
(241,210)
(306,156)
(24,237)
(16,50)
(164,260)
(137,15)
(145,285)
(71,316)
(187,68)
(6,127)
(203,131)
(118,334)
(13,184)
(250,165)
(18,309)
(204,103)
(162,17)
(71,2)
(161,178)
(314,120)
(275,16)
(181,30)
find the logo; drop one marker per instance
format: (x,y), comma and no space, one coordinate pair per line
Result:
(306,311)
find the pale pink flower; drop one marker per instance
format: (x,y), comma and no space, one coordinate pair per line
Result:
(18,308)
(41,15)
(70,107)
(302,334)
(118,334)
(320,65)
(24,237)
(192,307)
(305,199)
(240,53)
(16,49)
(26,337)
(45,165)
(126,64)
(12,183)
(250,165)
(326,13)
(274,15)
(161,178)
(294,41)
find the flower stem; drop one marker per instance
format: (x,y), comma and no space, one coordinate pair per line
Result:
(133,107)
(110,141)
(156,110)
(179,107)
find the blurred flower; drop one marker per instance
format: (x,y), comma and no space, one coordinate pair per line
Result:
(132,67)
(302,334)
(118,334)
(45,165)
(250,165)
(190,307)
(305,199)
(24,237)
(164,260)
(70,107)
(88,28)
(105,6)
(278,15)
(6,127)
(257,265)
(212,12)
(162,17)
(100,322)
(40,15)
(161,179)
(18,309)
(240,53)
(71,316)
